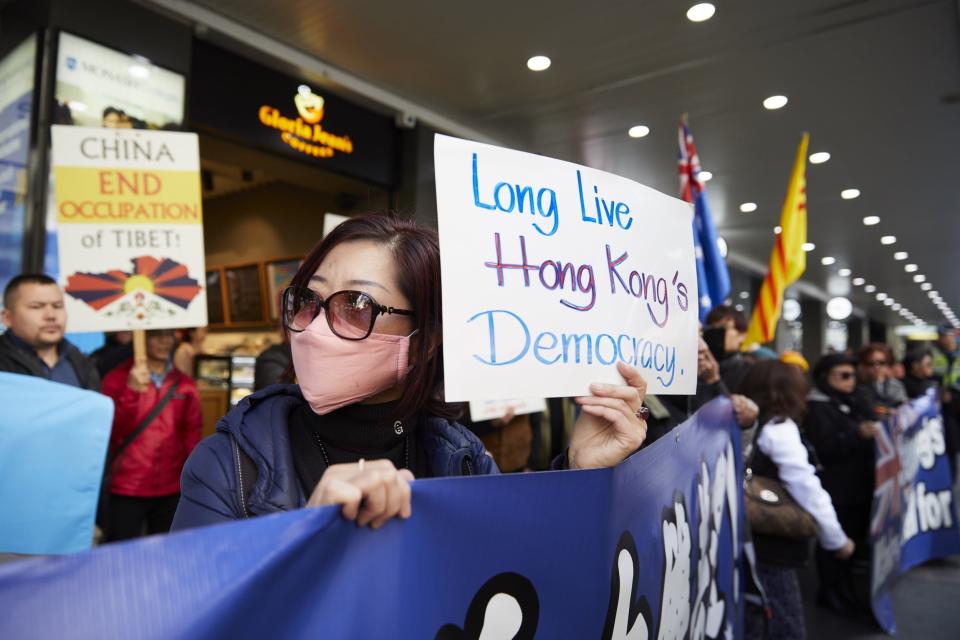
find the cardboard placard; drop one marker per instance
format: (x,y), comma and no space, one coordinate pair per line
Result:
(553,272)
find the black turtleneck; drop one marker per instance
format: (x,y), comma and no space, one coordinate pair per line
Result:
(348,434)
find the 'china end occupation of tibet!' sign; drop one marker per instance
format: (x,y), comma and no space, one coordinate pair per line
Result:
(130,228)
(553,272)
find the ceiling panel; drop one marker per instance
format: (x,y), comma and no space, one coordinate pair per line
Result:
(876,83)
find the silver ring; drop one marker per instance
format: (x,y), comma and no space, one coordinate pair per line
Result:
(642,413)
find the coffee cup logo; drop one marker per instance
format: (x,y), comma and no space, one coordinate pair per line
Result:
(309,104)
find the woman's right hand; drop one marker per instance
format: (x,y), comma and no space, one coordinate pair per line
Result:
(371,491)
(846,550)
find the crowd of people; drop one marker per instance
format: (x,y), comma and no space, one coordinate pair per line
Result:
(366,417)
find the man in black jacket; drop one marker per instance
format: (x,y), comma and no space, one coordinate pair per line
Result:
(33,343)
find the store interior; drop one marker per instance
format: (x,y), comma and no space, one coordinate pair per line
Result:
(262,215)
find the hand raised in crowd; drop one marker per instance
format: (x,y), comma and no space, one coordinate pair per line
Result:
(371,491)
(846,550)
(608,429)
(139,377)
(867,430)
(745,410)
(707,368)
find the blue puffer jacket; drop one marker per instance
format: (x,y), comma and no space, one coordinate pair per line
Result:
(212,482)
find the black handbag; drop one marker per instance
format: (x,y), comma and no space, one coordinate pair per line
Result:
(771,510)
(103,504)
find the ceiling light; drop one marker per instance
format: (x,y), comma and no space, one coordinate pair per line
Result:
(827,260)
(819,157)
(871,220)
(869,288)
(881,296)
(704,176)
(910,268)
(808,246)
(843,273)
(839,308)
(775,102)
(933,294)
(748,207)
(850,194)
(738,307)
(858,282)
(919,278)
(777,229)
(701,12)
(926,286)
(538,63)
(791,310)
(744,295)
(900,255)
(888,239)
(638,131)
(896,306)
(889,302)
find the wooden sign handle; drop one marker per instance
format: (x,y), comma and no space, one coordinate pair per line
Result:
(139,346)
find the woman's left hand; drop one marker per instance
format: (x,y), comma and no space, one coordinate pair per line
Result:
(608,429)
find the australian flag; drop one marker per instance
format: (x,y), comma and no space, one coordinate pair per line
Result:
(713,279)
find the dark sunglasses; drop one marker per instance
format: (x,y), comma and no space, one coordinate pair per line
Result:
(350,314)
(845,375)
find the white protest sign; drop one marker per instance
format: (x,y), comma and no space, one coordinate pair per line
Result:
(553,272)
(492,409)
(130,228)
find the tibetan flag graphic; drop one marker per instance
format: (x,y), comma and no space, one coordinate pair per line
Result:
(161,277)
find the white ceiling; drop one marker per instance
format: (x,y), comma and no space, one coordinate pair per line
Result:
(875,82)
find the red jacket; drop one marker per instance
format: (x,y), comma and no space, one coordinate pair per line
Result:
(150,466)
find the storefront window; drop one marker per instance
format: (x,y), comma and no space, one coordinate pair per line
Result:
(100,87)
(16,102)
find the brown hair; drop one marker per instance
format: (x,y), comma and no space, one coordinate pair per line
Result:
(867,350)
(779,389)
(416,251)
(723,312)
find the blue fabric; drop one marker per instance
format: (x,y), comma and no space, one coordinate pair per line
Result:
(53,441)
(654,543)
(913,518)
(209,484)
(713,278)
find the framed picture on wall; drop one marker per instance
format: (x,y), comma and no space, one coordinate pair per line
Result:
(279,275)
(215,308)
(245,302)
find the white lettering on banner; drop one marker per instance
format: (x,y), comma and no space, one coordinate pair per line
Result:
(507,606)
(553,273)
(927,511)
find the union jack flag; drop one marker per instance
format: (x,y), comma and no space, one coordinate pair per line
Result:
(887,496)
(713,279)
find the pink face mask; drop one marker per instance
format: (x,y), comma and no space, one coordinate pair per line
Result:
(333,372)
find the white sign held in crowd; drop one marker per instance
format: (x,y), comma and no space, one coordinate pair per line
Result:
(130,228)
(493,409)
(553,272)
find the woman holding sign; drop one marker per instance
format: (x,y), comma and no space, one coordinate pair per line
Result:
(363,319)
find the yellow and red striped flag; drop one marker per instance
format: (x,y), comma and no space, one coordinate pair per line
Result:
(788,260)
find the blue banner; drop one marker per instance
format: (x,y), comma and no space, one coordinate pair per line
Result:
(914,518)
(651,548)
(53,442)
